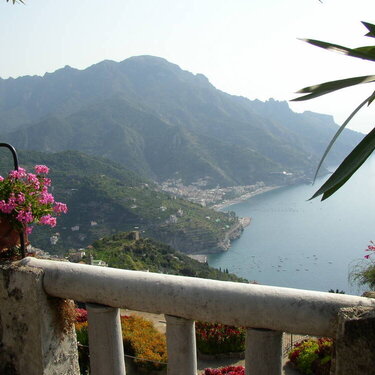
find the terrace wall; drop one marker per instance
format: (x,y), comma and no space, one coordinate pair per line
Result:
(32,339)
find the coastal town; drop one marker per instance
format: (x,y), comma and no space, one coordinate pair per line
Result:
(215,198)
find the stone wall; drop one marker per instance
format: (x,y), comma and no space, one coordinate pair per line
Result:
(355,342)
(33,340)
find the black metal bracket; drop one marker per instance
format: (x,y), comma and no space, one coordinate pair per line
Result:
(16,166)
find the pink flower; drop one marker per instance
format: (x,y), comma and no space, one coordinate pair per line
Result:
(20,198)
(25,217)
(369,248)
(7,208)
(12,198)
(46,181)
(29,230)
(48,220)
(46,198)
(32,178)
(60,208)
(17,174)
(39,169)
(26,198)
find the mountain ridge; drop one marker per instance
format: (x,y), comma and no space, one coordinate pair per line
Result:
(164,122)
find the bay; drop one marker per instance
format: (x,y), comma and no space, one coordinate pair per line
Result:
(293,242)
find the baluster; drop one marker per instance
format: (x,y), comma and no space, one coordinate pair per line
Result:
(182,353)
(105,340)
(263,354)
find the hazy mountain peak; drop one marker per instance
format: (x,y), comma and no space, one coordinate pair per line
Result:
(151,62)
(103,65)
(65,69)
(147,59)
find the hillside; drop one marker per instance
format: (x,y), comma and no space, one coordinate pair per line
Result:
(104,198)
(121,251)
(165,123)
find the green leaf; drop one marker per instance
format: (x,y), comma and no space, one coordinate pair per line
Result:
(366,53)
(357,157)
(342,127)
(368,50)
(327,87)
(371,28)
(348,167)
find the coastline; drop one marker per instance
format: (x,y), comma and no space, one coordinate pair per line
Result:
(243,198)
(236,231)
(243,222)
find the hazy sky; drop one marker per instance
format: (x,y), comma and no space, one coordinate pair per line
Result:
(244,47)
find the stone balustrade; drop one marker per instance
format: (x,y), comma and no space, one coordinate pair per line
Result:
(266,311)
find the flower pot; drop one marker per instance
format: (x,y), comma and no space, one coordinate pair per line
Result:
(9,237)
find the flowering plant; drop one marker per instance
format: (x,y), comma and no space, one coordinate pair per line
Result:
(370,248)
(216,338)
(83,344)
(229,370)
(363,272)
(25,200)
(312,356)
(81,315)
(143,341)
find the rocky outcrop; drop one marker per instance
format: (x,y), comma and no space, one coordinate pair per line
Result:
(232,234)
(193,243)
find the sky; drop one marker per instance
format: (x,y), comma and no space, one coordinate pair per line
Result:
(250,48)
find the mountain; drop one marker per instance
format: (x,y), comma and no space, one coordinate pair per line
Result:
(165,123)
(123,251)
(104,198)
(314,130)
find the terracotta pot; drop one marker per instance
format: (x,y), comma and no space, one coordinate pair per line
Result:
(9,237)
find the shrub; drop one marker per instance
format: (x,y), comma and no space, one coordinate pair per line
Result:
(83,346)
(229,370)
(363,273)
(143,341)
(82,333)
(336,291)
(365,276)
(140,339)
(312,356)
(216,338)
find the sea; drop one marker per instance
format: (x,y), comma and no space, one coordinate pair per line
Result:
(306,244)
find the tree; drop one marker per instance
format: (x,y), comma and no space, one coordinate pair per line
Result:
(365,148)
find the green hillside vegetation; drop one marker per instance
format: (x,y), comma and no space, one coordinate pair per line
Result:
(121,251)
(104,198)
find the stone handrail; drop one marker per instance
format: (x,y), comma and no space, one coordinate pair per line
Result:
(267,311)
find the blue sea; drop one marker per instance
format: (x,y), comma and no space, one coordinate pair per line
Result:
(293,242)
